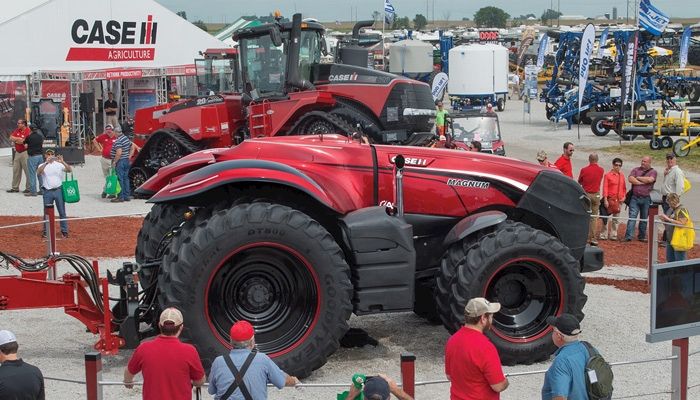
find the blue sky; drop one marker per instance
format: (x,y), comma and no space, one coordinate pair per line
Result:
(330,10)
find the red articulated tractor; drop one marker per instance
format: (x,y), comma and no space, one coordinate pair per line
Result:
(296,233)
(285,90)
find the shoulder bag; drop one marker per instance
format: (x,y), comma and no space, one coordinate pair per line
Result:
(683,237)
(69,187)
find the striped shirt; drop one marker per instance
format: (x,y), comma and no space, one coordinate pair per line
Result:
(123,143)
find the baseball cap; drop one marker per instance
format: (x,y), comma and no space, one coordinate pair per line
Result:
(479,306)
(49,151)
(541,155)
(7,337)
(566,324)
(242,331)
(109,126)
(171,314)
(670,156)
(376,386)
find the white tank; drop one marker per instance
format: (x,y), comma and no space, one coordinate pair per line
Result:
(410,57)
(478,69)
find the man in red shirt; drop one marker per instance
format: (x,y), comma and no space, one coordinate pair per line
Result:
(104,144)
(563,163)
(590,178)
(169,367)
(471,360)
(20,162)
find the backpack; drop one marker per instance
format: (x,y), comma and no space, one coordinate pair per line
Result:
(599,375)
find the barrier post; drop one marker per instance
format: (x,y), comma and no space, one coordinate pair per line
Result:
(93,374)
(408,373)
(651,239)
(679,369)
(50,229)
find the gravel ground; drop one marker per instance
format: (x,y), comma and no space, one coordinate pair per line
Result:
(616,320)
(616,323)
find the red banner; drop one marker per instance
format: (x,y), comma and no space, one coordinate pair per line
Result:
(57,90)
(110,54)
(124,74)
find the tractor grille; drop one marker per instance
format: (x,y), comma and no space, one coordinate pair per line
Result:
(411,97)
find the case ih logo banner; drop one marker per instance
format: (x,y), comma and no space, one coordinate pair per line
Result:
(119,36)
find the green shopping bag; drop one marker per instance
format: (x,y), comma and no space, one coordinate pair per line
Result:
(71,193)
(112,186)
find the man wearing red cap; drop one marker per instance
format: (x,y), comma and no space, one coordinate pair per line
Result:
(169,367)
(243,374)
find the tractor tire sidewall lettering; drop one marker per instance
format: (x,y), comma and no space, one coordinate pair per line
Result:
(196,258)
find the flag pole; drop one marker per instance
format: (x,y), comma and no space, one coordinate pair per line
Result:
(634,66)
(383,25)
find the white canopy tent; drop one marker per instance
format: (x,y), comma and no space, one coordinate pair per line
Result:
(78,35)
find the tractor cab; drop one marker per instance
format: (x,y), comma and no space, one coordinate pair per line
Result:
(218,72)
(278,58)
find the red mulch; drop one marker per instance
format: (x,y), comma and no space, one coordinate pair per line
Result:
(116,237)
(100,237)
(630,285)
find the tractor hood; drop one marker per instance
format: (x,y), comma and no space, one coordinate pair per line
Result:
(314,155)
(350,74)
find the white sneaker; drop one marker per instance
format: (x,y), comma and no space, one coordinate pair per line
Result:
(603,237)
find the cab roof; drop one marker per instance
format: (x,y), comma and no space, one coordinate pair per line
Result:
(261,30)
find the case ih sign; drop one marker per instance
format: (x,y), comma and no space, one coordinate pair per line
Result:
(113,40)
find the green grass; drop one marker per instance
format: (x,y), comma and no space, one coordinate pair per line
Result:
(638,150)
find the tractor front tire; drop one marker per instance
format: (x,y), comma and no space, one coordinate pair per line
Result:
(532,274)
(268,264)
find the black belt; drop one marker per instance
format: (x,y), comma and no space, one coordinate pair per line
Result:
(50,190)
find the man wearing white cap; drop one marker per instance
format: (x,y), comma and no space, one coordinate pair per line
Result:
(472,363)
(18,379)
(169,367)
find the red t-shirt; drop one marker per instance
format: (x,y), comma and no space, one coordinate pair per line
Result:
(21,133)
(590,178)
(563,164)
(168,367)
(106,142)
(473,365)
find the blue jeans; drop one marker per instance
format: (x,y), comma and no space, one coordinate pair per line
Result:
(55,196)
(33,163)
(672,255)
(123,176)
(639,207)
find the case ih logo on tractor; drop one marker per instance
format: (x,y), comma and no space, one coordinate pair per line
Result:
(113,33)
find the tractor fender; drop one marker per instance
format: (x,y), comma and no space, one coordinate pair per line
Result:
(224,173)
(473,223)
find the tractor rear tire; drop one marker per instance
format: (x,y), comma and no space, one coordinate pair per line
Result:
(597,127)
(266,263)
(532,274)
(156,236)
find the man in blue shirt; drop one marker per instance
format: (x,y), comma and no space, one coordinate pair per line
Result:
(243,374)
(565,379)
(121,151)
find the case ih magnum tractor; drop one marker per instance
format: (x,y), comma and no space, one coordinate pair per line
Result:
(285,91)
(296,233)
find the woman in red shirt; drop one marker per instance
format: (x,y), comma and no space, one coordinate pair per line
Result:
(614,189)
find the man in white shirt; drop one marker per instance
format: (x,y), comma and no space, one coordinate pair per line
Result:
(51,172)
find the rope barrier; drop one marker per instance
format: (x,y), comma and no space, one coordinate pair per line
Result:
(48,378)
(74,219)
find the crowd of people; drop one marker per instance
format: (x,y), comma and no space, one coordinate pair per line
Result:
(44,171)
(608,191)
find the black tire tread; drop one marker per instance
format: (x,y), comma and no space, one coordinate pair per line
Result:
(184,255)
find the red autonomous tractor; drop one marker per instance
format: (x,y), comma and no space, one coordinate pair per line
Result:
(284,90)
(296,233)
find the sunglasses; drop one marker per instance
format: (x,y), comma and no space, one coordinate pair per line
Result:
(617,165)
